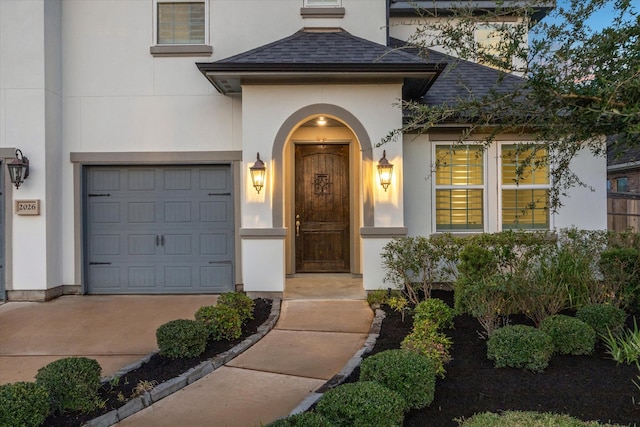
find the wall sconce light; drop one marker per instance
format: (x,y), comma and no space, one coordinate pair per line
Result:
(257,174)
(18,169)
(385,170)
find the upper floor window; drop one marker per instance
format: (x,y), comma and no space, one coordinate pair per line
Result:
(459,188)
(322,3)
(525,188)
(181,22)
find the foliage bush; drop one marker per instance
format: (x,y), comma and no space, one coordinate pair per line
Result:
(182,338)
(435,311)
(528,419)
(415,264)
(410,374)
(242,303)
(520,346)
(72,384)
(426,340)
(602,318)
(481,291)
(620,269)
(376,298)
(305,419)
(569,334)
(222,322)
(23,404)
(362,404)
(624,347)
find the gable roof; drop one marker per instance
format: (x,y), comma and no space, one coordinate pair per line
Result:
(461,80)
(314,55)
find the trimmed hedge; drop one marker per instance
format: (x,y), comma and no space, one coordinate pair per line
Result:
(569,334)
(520,346)
(182,338)
(306,419)
(602,318)
(72,384)
(23,404)
(410,374)
(362,404)
(222,322)
(434,310)
(529,419)
(242,303)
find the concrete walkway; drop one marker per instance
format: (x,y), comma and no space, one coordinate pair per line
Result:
(114,330)
(311,343)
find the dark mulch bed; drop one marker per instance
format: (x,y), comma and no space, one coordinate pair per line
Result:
(587,387)
(159,369)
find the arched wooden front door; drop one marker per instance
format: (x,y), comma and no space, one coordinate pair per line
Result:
(322,208)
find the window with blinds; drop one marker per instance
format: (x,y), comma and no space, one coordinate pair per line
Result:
(459,188)
(525,187)
(181,23)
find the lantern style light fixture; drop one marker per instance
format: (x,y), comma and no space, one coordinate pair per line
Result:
(257,174)
(385,171)
(18,169)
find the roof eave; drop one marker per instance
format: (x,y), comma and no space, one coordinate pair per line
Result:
(445,8)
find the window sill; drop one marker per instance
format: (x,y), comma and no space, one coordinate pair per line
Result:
(181,50)
(322,12)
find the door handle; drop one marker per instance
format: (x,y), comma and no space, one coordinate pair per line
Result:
(157,240)
(162,240)
(297,225)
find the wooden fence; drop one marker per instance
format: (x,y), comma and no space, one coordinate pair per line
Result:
(623,212)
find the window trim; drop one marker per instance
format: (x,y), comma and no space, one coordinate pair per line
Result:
(502,187)
(166,49)
(483,187)
(320,3)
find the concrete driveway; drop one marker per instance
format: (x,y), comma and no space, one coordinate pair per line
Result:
(114,330)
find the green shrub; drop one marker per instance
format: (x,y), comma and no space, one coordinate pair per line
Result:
(362,404)
(520,346)
(222,322)
(528,419)
(426,340)
(624,347)
(602,317)
(376,298)
(410,374)
(72,384)
(569,334)
(182,338)
(399,304)
(620,269)
(306,419)
(435,311)
(23,404)
(240,302)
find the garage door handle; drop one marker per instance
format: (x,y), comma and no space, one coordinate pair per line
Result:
(99,195)
(99,263)
(157,240)
(162,240)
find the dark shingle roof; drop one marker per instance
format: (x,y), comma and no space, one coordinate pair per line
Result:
(461,79)
(323,47)
(316,54)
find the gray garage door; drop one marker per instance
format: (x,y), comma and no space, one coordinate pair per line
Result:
(159,229)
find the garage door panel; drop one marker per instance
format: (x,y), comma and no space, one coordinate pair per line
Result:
(213,277)
(105,212)
(179,244)
(215,211)
(104,180)
(141,212)
(177,179)
(142,244)
(177,211)
(162,230)
(214,179)
(141,277)
(141,180)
